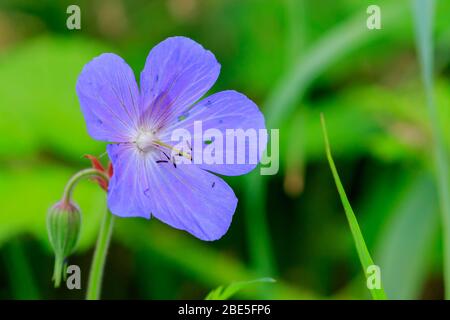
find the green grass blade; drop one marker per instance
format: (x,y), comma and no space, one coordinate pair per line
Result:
(423,17)
(224,293)
(361,248)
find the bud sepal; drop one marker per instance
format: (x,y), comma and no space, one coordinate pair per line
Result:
(63,226)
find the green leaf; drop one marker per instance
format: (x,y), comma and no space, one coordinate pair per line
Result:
(224,293)
(361,248)
(407,239)
(424,20)
(39,102)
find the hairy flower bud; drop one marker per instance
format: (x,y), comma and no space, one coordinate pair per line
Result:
(63,226)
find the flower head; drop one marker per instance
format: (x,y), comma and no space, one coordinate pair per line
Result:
(149,177)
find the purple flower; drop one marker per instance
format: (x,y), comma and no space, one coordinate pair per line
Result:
(138,123)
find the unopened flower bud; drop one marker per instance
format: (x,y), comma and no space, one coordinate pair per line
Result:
(63,226)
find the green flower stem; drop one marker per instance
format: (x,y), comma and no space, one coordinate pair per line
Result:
(58,270)
(104,236)
(98,263)
(70,186)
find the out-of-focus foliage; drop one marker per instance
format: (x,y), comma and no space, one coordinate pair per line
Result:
(295,59)
(224,293)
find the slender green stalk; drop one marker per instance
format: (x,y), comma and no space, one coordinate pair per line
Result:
(104,236)
(98,262)
(361,248)
(423,18)
(73,181)
(59,268)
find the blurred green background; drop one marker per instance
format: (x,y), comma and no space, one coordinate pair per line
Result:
(295,59)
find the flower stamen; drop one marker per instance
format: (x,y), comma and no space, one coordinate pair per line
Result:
(177,151)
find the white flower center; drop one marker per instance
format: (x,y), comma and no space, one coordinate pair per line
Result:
(144,141)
